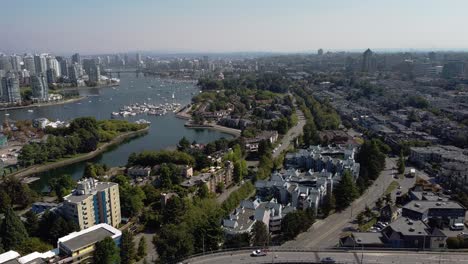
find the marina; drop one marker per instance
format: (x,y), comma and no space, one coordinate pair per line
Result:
(165,130)
(147,109)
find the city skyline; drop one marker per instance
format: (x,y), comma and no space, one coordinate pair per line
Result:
(240,26)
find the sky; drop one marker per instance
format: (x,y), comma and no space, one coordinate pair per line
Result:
(108,26)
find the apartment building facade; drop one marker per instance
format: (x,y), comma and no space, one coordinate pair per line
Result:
(92,203)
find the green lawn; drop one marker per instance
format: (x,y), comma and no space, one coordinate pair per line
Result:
(368,225)
(391,187)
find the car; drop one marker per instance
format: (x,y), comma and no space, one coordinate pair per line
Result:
(399,187)
(328,260)
(398,193)
(258,253)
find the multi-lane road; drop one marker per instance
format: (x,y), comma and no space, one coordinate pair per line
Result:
(325,233)
(370,257)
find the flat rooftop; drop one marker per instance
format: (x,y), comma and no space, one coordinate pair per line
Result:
(424,206)
(89,236)
(409,227)
(77,198)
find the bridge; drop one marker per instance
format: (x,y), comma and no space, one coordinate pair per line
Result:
(116,72)
(340,256)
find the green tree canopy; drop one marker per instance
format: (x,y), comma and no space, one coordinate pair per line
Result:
(127,248)
(106,252)
(141,252)
(259,234)
(12,230)
(174,242)
(345,191)
(62,185)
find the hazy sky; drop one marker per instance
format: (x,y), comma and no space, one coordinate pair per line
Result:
(97,26)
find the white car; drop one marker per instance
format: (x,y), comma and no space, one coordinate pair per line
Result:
(258,253)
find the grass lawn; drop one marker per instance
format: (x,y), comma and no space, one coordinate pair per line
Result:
(391,187)
(368,225)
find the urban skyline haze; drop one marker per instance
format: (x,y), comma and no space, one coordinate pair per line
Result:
(91,27)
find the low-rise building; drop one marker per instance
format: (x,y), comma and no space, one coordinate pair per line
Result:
(437,154)
(318,158)
(40,207)
(251,144)
(301,190)
(363,239)
(244,217)
(407,233)
(139,171)
(78,247)
(74,248)
(212,178)
(440,213)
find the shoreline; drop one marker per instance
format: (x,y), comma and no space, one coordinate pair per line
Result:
(231,131)
(87,87)
(183,114)
(67,101)
(21,174)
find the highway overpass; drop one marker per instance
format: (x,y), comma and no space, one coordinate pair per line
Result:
(352,256)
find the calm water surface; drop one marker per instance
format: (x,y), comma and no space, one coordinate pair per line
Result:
(165,131)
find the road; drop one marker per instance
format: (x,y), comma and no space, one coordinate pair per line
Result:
(340,257)
(152,255)
(292,133)
(223,196)
(325,233)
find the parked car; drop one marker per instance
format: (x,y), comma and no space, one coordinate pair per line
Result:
(258,253)
(328,260)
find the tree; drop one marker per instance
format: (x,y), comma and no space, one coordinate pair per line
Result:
(62,185)
(294,223)
(329,204)
(360,219)
(238,241)
(347,190)
(5,201)
(18,192)
(33,244)
(32,223)
(184,144)
(141,252)
(388,198)
(106,252)
(379,203)
(453,243)
(174,210)
(367,212)
(174,242)
(131,200)
(127,248)
(86,123)
(220,187)
(12,230)
(53,226)
(203,191)
(240,170)
(401,164)
(259,234)
(310,134)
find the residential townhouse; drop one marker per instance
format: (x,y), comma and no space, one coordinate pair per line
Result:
(242,219)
